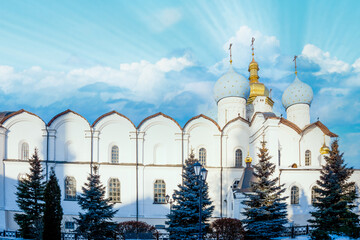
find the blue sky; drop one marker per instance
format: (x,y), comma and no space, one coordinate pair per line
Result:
(142,57)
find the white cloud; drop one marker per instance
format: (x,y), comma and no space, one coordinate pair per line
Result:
(163,19)
(356,65)
(327,64)
(267,54)
(139,81)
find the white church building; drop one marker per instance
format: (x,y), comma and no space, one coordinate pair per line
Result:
(140,165)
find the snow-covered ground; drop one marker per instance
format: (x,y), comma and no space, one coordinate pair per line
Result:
(307,238)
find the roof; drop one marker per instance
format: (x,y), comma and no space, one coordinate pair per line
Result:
(110,113)
(202,116)
(246,179)
(4,115)
(159,114)
(64,113)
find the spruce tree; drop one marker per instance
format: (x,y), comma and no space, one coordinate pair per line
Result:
(334,199)
(53,212)
(266,209)
(95,223)
(184,217)
(30,196)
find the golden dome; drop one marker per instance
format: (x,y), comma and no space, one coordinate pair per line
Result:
(248,159)
(324,149)
(253,69)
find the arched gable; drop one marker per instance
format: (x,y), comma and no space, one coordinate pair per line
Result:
(70,137)
(10,118)
(100,121)
(59,118)
(189,124)
(238,120)
(114,129)
(322,127)
(23,127)
(109,117)
(161,144)
(155,116)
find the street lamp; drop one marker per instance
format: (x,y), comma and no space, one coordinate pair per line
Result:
(170,200)
(201,174)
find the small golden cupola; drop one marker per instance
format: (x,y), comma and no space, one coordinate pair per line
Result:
(324,149)
(256,88)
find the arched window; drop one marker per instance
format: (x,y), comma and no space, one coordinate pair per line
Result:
(238,158)
(114,154)
(114,190)
(314,195)
(307,158)
(70,188)
(25,151)
(294,195)
(202,156)
(159,191)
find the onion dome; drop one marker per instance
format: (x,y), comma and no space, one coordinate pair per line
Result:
(231,84)
(324,149)
(297,92)
(248,159)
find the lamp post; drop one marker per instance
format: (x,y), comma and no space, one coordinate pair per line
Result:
(201,174)
(170,200)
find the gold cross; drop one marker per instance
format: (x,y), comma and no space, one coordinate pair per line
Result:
(295,57)
(252,45)
(230,52)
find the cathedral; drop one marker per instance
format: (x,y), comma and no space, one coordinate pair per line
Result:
(140,165)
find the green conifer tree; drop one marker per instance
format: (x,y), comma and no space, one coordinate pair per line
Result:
(265,210)
(95,223)
(184,217)
(53,212)
(334,199)
(30,196)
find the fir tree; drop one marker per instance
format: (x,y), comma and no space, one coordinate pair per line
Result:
(30,196)
(265,209)
(184,217)
(53,212)
(334,199)
(95,223)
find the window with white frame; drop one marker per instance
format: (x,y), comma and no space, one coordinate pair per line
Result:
(238,158)
(114,154)
(294,195)
(202,156)
(24,151)
(314,194)
(159,191)
(70,188)
(307,158)
(114,190)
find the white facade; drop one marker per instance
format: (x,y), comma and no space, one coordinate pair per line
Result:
(138,156)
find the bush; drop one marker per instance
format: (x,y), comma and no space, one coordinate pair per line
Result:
(227,229)
(134,227)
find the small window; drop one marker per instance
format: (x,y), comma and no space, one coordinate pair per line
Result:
(202,156)
(236,184)
(159,191)
(24,151)
(314,195)
(114,190)
(69,225)
(307,158)
(238,158)
(294,195)
(115,154)
(70,188)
